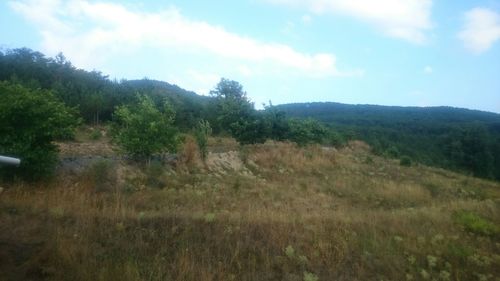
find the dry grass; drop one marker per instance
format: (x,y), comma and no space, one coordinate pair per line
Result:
(302,212)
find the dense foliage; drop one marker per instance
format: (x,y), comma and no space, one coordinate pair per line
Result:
(142,130)
(92,93)
(453,138)
(458,139)
(30,120)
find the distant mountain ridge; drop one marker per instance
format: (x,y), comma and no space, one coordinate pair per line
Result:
(333,111)
(448,137)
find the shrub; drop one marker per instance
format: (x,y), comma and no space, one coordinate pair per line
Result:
(405,161)
(476,224)
(102,175)
(308,131)
(95,134)
(202,132)
(30,120)
(188,157)
(310,276)
(142,130)
(154,175)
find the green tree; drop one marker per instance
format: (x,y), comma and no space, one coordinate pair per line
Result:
(278,126)
(30,120)
(231,107)
(250,130)
(142,130)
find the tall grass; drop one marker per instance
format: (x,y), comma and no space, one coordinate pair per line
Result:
(306,214)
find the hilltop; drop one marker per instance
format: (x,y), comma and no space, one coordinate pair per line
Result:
(270,211)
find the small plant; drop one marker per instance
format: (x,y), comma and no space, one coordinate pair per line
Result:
(433,189)
(95,134)
(209,217)
(202,132)
(102,175)
(290,251)
(432,261)
(405,161)
(154,173)
(476,224)
(308,276)
(368,160)
(244,153)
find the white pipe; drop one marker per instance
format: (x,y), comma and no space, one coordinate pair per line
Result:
(10,161)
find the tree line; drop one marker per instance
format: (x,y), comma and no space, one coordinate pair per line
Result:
(43,99)
(458,139)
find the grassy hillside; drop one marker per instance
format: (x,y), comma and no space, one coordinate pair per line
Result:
(265,212)
(454,138)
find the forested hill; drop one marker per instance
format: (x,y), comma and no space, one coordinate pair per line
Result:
(331,112)
(455,138)
(93,94)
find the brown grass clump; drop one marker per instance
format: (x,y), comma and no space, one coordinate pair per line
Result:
(189,156)
(289,158)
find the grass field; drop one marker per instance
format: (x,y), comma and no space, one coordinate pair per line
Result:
(264,212)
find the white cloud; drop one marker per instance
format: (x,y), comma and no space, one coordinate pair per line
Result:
(306,19)
(404,19)
(481,29)
(428,70)
(83,29)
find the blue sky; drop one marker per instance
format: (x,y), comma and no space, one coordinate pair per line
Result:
(389,52)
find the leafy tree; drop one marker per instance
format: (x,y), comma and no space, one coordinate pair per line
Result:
(142,130)
(277,122)
(469,149)
(250,130)
(231,107)
(30,120)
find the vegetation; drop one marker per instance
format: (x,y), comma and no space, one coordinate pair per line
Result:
(452,138)
(274,201)
(202,133)
(143,130)
(290,213)
(30,120)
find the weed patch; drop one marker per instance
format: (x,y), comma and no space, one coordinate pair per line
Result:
(476,224)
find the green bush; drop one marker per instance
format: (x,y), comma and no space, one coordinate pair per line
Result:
(154,175)
(30,120)
(307,131)
(142,130)
(405,161)
(476,224)
(95,134)
(102,175)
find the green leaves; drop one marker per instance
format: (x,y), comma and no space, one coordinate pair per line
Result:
(30,120)
(201,134)
(142,130)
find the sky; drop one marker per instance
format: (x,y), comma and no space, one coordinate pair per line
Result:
(388,52)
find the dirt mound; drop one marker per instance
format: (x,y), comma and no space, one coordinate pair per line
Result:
(224,162)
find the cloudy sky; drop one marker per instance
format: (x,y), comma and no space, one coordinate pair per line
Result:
(390,52)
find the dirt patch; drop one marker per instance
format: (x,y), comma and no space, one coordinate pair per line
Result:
(224,162)
(97,148)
